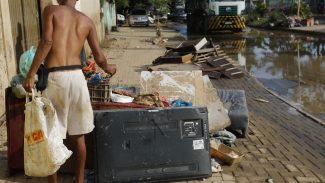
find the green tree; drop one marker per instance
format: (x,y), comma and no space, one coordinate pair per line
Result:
(122,4)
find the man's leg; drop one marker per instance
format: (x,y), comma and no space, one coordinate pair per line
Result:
(80,150)
(52,178)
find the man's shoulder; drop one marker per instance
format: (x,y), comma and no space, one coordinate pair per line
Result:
(84,18)
(51,8)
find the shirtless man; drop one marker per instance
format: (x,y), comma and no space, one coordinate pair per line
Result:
(65,31)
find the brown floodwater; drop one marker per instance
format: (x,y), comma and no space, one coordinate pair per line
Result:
(290,64)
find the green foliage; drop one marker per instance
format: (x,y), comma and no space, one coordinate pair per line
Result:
(140,6)
(102,3)
(275,16)
(161,5)
(121,4)
(260,8)
(257,12)
(305,11)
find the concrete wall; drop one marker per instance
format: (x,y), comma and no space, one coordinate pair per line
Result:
(7,55)
(91,8)
(109,18)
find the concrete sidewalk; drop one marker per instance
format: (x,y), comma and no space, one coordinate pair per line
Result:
(315,30)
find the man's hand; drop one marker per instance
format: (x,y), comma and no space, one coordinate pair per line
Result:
(29,83)
(110,69)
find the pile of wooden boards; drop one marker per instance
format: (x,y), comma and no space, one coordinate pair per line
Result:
(213,61)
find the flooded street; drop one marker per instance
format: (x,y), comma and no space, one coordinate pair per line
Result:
(292,65)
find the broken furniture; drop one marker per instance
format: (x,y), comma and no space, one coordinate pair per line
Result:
(235,102)
(213,61)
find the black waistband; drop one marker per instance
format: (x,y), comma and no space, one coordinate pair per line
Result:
(64,68)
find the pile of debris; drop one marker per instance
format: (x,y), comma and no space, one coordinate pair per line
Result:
(213,61)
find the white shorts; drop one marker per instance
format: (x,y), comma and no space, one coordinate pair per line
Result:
(69,95)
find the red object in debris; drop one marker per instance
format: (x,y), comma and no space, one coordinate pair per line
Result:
(91,66)
(165,101)
(15,117)
(110,105)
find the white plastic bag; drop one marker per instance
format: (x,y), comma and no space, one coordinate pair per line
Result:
(44,151)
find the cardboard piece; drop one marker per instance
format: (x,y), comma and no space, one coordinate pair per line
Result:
(225,153)
(191,46)
(174,67)
(187,85)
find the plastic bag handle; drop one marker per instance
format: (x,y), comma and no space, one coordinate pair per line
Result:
(28,94)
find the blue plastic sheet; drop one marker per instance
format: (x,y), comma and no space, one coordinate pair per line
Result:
(180,103)
(26,60)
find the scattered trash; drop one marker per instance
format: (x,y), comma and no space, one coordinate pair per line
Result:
(17,79)
(123,92)
(225,153)
(261,100)
(225,137)
(19,91)
(233,154)
(269,180)
(91,66)
(213,61)
(121,98)
(159,41)
(98,77)
(215,166)
(149,100)
(165,101)
(173,57)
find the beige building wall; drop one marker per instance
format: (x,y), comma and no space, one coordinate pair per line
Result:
(91,8)
(7,55)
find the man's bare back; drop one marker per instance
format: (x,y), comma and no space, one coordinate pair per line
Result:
(65,31)
(70,31)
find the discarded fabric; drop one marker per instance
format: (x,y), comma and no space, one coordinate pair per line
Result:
(97,78)
(149,100)
(17,79)
(120,98)
(225,137)
(215,166)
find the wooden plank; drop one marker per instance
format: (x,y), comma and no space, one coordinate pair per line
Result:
(191,46)
(174,58)
(206,50)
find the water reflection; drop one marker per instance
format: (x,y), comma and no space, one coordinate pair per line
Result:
(293,65)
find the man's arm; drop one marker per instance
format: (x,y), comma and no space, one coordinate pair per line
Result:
(98,54)
(43,48)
